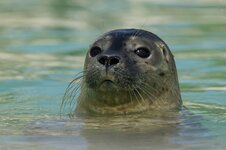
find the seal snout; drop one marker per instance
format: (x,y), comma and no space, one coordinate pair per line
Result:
(108,61)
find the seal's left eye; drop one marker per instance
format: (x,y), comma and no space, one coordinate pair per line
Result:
(95,51)
(142,52)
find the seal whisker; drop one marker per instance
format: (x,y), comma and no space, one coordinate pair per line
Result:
(77,101)
(74,82)
(156,98)
(70,93)
(70,90)
(135,95)
(130,96)
(149,88)
(148,94)
(139,93)
(73,96)
(137,33)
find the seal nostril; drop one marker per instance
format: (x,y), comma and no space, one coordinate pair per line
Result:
(113,60)
(103,60)
(109,61)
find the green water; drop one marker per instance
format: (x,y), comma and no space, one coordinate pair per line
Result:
(42,47)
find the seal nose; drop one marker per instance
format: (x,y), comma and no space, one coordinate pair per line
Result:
(109,60)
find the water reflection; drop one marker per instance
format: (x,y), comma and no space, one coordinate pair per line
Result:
(159,131)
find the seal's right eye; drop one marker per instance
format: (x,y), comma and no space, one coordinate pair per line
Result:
(95,51)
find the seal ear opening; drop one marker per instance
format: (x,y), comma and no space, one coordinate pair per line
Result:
(165,51)
(166,54)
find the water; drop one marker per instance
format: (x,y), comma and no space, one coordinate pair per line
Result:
(42,47)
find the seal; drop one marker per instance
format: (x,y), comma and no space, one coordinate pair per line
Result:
(126,71)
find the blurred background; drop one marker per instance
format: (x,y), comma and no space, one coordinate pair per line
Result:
(43,44)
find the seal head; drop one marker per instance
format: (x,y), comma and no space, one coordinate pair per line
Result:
(129,71)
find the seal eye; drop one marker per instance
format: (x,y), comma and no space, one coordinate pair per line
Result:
(142,52)
(95,51)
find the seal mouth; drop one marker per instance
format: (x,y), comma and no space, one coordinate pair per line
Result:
(107,84)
